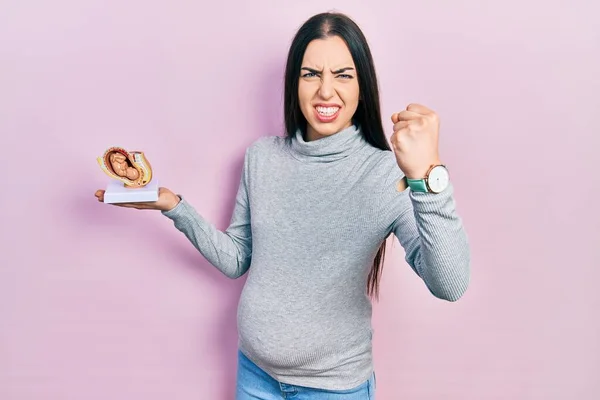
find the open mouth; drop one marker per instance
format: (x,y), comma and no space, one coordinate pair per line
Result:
(327,113)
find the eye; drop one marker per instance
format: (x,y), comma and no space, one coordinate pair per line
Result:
(309,75)
(345,76)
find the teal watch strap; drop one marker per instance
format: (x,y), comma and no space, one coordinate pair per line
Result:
(417,185)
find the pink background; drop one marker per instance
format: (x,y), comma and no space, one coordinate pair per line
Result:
(98,302)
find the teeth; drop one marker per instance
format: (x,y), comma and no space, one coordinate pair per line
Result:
(327,111)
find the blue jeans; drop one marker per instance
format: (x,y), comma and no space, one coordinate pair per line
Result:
(255,384)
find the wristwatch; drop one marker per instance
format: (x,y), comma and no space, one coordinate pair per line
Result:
(436,180)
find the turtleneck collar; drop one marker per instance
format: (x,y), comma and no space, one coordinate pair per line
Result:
(327,149)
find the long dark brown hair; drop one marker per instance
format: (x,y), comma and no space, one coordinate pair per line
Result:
(368,114)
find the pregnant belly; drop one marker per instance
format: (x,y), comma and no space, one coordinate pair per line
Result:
(291,331)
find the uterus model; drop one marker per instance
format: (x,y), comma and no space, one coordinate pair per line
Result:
(131,173)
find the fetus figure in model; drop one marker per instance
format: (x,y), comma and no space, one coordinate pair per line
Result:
(122,167)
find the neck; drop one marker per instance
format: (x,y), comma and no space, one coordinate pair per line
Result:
(312,134)
(327,148)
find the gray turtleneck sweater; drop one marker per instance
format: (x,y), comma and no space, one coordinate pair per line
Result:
(309,218)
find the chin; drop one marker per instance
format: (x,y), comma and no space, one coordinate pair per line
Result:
(328,128)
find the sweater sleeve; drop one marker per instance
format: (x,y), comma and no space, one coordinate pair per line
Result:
(229,251)
(435,242)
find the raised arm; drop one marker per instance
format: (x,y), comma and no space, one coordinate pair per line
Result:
(229,251)
(426,223)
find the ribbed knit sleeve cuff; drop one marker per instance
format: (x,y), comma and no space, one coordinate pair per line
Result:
(432,202)
(178,211)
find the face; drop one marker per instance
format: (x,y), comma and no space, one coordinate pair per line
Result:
(328,88)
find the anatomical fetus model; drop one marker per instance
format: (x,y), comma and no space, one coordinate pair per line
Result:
(131,168)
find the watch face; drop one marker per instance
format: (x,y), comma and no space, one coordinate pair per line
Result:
(438,179)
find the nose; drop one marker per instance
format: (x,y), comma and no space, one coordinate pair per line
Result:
(326,91)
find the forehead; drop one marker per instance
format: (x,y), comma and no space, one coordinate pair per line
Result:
(330,52)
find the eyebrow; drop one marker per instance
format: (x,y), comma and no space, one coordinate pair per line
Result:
(339,71)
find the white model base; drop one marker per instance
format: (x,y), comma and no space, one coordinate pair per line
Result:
(116,192)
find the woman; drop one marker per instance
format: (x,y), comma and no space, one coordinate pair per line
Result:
(311,217)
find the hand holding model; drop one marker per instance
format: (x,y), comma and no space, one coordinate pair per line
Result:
(166,201)
(132,182)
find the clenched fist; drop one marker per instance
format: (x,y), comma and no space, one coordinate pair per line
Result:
(415,140)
